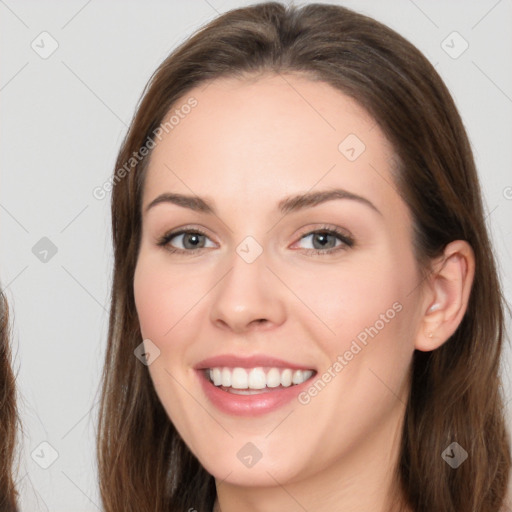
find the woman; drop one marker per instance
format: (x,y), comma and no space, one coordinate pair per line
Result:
(9,415)
(245,371)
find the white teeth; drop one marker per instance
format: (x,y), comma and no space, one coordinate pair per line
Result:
(286,378)
(239,379)
(273,378)
(297,377)
(226,377)
(257,378)
(216,376)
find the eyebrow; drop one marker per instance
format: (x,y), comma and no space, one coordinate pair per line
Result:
(287,205)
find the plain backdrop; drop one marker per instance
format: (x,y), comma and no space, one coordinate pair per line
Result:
(64,115)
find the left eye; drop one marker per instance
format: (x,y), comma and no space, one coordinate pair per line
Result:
(325,240)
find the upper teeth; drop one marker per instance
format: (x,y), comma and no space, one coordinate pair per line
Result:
(257,378)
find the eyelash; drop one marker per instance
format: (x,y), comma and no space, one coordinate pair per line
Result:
(347,242)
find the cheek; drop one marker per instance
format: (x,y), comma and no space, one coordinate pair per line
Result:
(369,352)
(162,301)
(150,293)
(156,298)
(162,298)
(350,299)
(378,328)
(369,310)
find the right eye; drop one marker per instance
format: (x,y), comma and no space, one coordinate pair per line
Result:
(191,239)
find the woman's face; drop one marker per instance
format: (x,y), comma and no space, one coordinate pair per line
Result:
(250,291)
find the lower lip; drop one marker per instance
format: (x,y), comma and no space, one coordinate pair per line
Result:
(250,405)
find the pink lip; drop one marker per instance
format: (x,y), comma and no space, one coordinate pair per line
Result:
(249,405)
(232,361)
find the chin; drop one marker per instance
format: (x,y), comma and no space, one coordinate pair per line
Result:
(241,462)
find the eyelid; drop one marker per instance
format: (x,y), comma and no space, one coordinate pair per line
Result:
(344,233)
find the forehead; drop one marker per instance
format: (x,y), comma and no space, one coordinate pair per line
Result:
(270,136)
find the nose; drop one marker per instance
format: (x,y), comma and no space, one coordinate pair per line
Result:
(249,297)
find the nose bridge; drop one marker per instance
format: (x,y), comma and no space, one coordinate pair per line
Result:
(246,293)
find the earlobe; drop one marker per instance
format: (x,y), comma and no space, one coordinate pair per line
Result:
(450,286)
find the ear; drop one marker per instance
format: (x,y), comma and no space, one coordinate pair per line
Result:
(445,303)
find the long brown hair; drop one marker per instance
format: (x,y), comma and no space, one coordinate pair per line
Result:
(8,415)
(456,391)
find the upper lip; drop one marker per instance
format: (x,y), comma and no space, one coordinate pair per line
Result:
(234,361)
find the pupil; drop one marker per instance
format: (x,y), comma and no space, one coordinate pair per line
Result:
(324,237)
(192,236)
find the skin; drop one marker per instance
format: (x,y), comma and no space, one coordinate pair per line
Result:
(247,145)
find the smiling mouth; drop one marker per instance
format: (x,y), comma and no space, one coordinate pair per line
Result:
(251,381)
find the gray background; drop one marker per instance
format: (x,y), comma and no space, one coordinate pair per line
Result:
(63,119)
